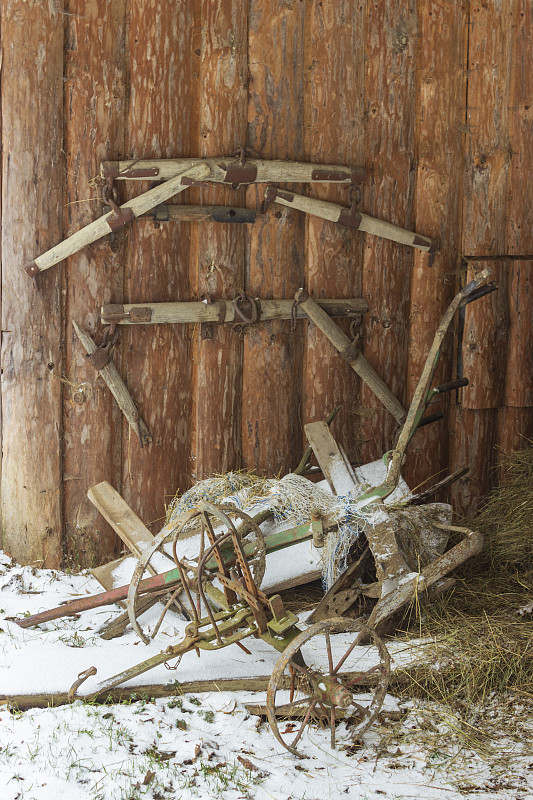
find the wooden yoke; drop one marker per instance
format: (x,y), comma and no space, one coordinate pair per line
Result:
(116,219)
(221,311)
(346,348)
(352,219)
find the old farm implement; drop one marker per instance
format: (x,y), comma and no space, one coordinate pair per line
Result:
(217,588)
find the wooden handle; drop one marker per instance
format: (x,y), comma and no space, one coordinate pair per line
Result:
(359,364)
(118,389)
(101,227)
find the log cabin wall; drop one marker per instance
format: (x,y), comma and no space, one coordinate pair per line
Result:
(434,98)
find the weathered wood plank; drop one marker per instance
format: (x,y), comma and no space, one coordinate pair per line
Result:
(157,362)
(218,269)
(357,362)
(95,97)
(390,52)
(271,428)
(472,443)
(111,377)
(484,342)
(333,254)
(115,220)
(519,375)
(122,519)
(32,200)
(224,169)
(332,461)
(221,311)
(487,161)
(440,100)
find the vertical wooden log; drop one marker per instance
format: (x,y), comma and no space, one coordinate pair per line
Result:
(219,266)
(472,444)
(487,160)
(390,60)
(519,376)
(32,174)
(334,254)
(272,367)
(440,106)
(157,359)
(486,322)
(95,94)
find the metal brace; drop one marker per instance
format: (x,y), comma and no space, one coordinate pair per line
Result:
(243,303)
(206,328)
(102,354)
(121,216)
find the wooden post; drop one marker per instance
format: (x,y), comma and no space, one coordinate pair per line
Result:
(485,330)
(90,414)
(157,368)
(218,266)
(519,376)
(390,52)
(273,357)
(357,362)
(32,359)
(334,254)
(441,93)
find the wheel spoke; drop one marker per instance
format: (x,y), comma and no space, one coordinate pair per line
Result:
(332,726)
(345,656)
(294,703)
(363,675)
(304,723)
(301,669)
(330,655)
(293,675)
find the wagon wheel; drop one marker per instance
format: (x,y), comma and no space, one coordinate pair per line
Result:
(247,569)
(138,573)
(249,534)
(321,674)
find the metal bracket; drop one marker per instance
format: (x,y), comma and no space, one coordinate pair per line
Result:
(114,312)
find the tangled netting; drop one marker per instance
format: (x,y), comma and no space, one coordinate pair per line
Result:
(292,500)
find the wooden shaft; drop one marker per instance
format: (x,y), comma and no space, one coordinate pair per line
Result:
(221,310)
(103,225)
(353,219)
(173,213)
(470,546)
(228,170)
(359,364)
(118,389)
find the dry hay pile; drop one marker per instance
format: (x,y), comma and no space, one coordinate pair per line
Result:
(483,630)
(507,518)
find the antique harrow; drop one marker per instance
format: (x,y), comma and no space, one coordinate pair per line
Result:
(218,592)
(317,673)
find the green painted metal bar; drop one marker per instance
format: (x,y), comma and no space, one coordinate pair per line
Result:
(168,580)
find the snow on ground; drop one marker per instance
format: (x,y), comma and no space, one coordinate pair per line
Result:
(208,745)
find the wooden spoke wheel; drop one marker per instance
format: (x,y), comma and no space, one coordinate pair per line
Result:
(316,677)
